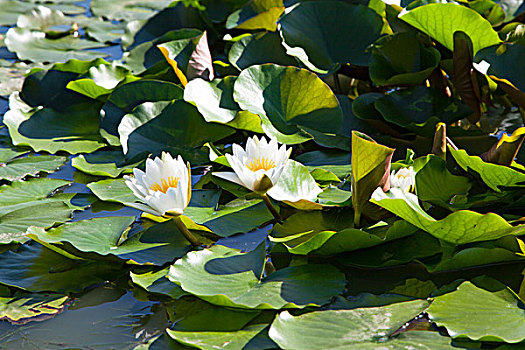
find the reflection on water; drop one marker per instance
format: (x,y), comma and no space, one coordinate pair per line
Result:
(104,318)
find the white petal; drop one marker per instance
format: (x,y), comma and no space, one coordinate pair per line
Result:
(138,190)
(228,176)
(143,207)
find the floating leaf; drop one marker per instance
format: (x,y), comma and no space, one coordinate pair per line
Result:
(402,59)
(430,19)
(435,184)
(501,59)
(224,276)
(158,282)
(460,313)
(112,190)
(213,99)
(177,128)
(48,130)
(259,48)
(256,14)
(460,227)
(127,10)
(158,244)
(493,175)
(288,98)
(216,340)
(34,46)
(126,97)
(18,168)
(363,328)
(316,41)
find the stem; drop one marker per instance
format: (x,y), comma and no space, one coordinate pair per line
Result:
(270,206)
(184,230)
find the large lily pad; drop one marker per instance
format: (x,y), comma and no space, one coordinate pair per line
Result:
(126,97)
(289,98)
(216,340)
(494,175)
(259,48)
(224,276)
(317,42)
(158,244)
(34,46)
(460,313)
(11,10)
(460,227)
(178,128)
(213,99)
(402,59)
(127,10)
(16,169)
(363,328)
(52,131)
(256,14)
(440,21)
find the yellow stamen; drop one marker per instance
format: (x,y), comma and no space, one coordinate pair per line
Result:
(165,185)
(260,163)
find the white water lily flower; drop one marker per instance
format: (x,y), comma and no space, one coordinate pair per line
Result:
(259,166)
(165,187)
(404,178)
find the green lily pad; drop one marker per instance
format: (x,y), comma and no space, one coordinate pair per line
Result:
(435,184)
(259,48)
(23,307)
(460,227)
(11,10)
(127,10)
(213,99)
(126,97)
(18,168)
(224,276)
(364,328)
(158,282)
(317,42)
(147,56)
(315,233)
(178,128)
(157,245)
(27,193)
(289,98)
(35,268)
(34,46)
(420,108)
(440,21)
(493,175)
(402,59)
(256,14)
(14,224)
(217,340)
(460,313)
(175,16)
(397,252)
(112,190)
(102,163)
(51,131)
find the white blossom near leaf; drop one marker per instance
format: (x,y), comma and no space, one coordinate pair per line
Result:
(165,186)
(404,178)
(259,166)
